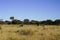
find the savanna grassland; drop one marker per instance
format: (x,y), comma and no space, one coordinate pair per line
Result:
(29,32)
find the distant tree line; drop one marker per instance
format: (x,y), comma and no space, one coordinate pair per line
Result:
(32,22)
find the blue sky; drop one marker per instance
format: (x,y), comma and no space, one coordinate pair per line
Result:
(30,9)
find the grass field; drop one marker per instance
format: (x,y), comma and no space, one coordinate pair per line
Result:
(29,32)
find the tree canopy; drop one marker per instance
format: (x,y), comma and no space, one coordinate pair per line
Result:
(27,21)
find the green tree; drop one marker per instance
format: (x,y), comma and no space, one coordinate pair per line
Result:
(49,22)
(12,18)
(15,21)
(42,22)
(7,22)
(26,21)
(57,22)
(34,22)
(46,22)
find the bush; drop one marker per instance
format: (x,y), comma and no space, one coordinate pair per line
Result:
(21,25)
(25,32)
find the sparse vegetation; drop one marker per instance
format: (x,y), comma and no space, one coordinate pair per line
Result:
(29,30)
(32,32)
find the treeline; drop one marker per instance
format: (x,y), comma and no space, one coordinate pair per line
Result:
(32,22)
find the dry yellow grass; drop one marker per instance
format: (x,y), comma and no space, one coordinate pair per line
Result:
(49,32)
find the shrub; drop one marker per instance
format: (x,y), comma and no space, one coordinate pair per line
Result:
(21,25)
(25,32)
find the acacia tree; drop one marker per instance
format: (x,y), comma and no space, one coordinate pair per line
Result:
(12,18)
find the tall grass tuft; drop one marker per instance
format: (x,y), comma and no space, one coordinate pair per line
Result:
(0,28)
(25,32)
